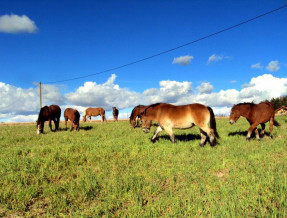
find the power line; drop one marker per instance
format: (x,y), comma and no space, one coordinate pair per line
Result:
(172,49)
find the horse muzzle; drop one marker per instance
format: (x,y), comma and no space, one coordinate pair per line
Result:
(145,130)
(231,122)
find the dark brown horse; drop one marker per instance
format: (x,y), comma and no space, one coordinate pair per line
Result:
(94,112)
(74,117)
(255,114)
(170,116)
(53,112)
(136,113)
(115,114)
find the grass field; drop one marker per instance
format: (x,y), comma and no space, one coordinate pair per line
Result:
(111,170)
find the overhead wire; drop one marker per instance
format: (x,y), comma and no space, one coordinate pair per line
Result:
(172,49)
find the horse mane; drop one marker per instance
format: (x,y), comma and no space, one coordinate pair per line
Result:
(150,106)
(245,103)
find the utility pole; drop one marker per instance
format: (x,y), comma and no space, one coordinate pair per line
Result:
(40,95)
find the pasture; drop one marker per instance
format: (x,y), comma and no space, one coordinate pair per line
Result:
(109,169)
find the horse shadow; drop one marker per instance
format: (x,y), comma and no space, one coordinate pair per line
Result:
(244,133)
(182,137)
(86,128)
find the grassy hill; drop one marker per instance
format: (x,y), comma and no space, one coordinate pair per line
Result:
(109,169)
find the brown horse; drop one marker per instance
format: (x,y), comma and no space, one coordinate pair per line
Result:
(94,112)
(74,117)
(255,114)
(136,113)
(115,114)
(53,112)
(170,116)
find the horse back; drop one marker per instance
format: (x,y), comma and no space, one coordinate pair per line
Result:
(55,111)
(262,112)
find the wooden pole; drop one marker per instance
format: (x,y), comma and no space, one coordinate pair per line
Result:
(40,95)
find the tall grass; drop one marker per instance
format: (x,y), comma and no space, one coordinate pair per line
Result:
(108,169)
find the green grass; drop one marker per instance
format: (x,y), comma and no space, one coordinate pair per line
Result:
(112,170)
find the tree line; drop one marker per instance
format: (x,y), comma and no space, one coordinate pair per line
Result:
(279,102)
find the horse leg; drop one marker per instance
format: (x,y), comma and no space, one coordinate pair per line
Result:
(153,139)
(170,133)
(50,125)
(271,126)
(257,134)
(203,137)
(71,125)
(251,128)
(208,131)
(66,119)
(262,129)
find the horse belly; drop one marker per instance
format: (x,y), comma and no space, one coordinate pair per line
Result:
(182,123)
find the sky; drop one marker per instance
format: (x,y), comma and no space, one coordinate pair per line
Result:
(75,48)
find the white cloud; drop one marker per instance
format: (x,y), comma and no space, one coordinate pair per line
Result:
(205,88)
(23,104)
(17,24)
(273,66)
(105,95)
(256,66)
(215,58)
(183,60)
(17,101)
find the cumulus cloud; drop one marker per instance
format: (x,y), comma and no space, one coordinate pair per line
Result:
(183,60)
(105,95)
(205,88)
(215,58)
(17,24)
(256,66)
(16,101)
(23,104)
(273,66)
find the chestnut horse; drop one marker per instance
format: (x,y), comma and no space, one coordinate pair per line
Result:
(136,113)
(53,112)
(115,114)
(94,112)
(255,114)
(170,116)
(74,117)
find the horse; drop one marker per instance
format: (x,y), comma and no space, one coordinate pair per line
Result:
(115,114)
(170,116)
(136,113)
(255,114)
(74,117)
(94,112)
(53,112)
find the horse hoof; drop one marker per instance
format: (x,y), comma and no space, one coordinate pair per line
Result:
(247,139)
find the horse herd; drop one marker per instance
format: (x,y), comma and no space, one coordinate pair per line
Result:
(169,117)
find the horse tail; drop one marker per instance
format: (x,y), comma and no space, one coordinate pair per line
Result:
(213,122)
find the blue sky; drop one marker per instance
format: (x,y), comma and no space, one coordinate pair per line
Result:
(49,41)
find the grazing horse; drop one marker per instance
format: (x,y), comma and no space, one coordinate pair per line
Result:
(136,113)
(170,116)
(74,117)
(94,112)
(115,114)
(255,114)
(53,112)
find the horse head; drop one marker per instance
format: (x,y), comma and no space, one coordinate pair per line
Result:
(40,126)
(146,123)
(234,114)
